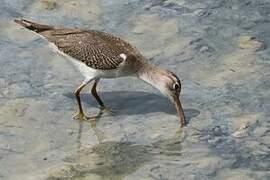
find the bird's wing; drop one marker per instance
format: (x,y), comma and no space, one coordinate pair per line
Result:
(96,49)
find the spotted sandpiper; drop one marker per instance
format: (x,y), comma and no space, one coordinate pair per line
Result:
(100,55)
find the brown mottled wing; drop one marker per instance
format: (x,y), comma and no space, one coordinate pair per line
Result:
(98,50)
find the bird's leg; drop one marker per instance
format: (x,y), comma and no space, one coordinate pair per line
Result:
(95,94)
(80,114)
(103,108)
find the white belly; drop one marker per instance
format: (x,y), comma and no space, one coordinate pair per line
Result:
(88,72)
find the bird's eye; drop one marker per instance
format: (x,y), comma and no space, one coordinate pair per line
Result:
(176,86)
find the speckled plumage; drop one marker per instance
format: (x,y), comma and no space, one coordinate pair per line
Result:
(98,50)
(101,55)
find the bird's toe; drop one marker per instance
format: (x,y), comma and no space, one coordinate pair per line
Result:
(80,116)
(108,110)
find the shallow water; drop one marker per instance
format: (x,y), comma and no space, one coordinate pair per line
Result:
(225,75)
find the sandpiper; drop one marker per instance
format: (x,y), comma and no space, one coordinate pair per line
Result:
(100,55)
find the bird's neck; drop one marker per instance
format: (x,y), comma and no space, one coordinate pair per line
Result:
(153,76)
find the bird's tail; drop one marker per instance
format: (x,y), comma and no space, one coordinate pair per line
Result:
(33,26)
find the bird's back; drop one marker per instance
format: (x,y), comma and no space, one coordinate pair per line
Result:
(98,50)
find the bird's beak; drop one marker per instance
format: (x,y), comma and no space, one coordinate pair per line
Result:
(179,110)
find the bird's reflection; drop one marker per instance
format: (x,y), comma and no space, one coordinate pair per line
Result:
(93,124)
(79,136)
(178,137)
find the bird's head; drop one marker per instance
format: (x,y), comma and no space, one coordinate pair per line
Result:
(169,85)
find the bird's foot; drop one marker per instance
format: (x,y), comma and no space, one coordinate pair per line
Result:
(107,110)
(101,113)
(94,118)
(80,116)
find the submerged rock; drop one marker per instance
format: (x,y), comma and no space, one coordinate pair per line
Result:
(249,42)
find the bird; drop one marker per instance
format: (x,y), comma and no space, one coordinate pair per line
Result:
(101,55)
